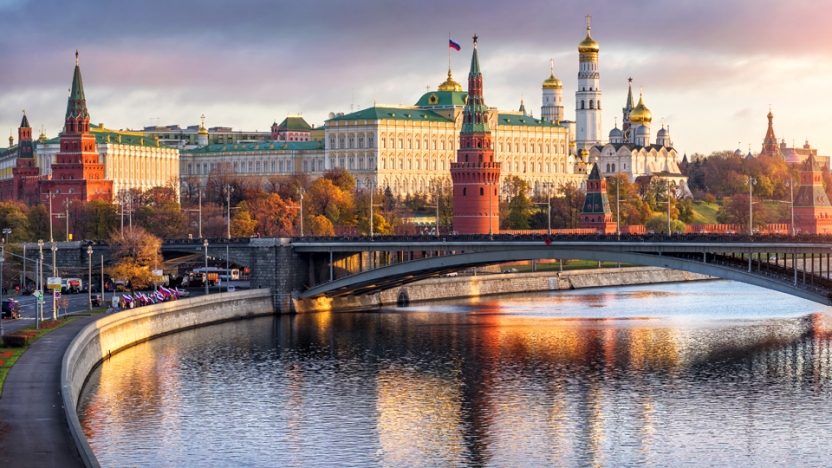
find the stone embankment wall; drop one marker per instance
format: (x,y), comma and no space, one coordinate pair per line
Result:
(473,286)
(119,331)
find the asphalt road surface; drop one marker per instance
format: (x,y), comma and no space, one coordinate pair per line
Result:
(77,303)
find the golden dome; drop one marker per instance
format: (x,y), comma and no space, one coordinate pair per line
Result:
(450,84)
(641,114)
(202,131)
(552,82)
(42,137)
(588,45)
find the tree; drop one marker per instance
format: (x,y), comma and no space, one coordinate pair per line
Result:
(320,226)
(38,218)
(241,224)
(341,178)
(274,217)
(566,209)
(658,224)
(325,198)
(134,256)
(735,210)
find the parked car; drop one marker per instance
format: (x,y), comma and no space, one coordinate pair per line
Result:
(183,292)
(97,301)
(510,270)
(11,309)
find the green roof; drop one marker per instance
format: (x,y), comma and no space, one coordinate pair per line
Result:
(259,146)
(442,99)
(104,135)
(295,124)
(523,120)
(392,113)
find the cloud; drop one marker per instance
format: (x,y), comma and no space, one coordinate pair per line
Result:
(247,62)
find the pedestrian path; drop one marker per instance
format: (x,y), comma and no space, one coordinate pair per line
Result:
(33,428)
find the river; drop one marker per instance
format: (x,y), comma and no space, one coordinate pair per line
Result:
(709,373)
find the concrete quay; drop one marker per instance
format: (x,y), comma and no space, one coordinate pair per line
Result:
(485,285)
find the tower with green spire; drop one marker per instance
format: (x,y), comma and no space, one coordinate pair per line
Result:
(625,111)
(77,172)
(475,174)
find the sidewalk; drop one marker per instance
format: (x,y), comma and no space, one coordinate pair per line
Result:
(33,429)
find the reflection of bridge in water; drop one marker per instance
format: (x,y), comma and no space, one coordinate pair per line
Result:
(797,266)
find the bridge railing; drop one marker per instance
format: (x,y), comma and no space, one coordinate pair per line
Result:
(675,238)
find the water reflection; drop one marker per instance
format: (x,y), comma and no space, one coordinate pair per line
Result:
(653,376)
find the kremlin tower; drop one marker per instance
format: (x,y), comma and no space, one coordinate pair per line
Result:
(475,175)
(812,211)
(25,165)
(596,213)
(77,172)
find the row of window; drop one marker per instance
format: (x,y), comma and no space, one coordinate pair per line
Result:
(349,142)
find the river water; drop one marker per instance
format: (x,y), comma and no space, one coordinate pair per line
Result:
(704,374)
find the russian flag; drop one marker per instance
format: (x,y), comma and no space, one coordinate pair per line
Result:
(453,45)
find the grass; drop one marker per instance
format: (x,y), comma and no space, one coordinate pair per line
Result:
(9,356)
(570,265)
(705,213)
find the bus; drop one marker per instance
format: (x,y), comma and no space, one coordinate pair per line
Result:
(224,274)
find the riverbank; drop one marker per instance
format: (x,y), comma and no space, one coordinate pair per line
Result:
(436,289)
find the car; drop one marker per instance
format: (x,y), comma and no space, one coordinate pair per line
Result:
(183,292)
(232,288)
(97,301)
(11,309)
(510,270)
(451,274)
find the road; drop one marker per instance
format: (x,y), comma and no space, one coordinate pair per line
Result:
(77,303)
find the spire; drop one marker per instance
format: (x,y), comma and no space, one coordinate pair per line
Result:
(475,62)
(77,103)
(25,122)
(522,105)
(629,105)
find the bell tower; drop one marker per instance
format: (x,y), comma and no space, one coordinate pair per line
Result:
(588,96)
(475,174)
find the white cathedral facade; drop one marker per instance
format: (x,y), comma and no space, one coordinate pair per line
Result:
(631,150)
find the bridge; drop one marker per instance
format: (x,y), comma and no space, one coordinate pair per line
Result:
(312,267)
(799,266)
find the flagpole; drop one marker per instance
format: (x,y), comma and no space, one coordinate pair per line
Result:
(449,52)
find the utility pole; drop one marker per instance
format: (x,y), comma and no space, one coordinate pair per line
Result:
(67,202)
(55,274)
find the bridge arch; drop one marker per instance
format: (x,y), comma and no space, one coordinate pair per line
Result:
(399,274)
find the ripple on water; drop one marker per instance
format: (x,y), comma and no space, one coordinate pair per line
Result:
(708,374)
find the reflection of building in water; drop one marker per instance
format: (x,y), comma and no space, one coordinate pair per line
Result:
(418,416)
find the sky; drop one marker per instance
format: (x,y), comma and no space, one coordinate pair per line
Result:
(709,68)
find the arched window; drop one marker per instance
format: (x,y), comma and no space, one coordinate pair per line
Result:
(464,192)
(482,192)
(582,104)
(608,167)
(599,104)
(591,104)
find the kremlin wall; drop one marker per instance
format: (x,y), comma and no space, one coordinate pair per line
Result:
(448,137)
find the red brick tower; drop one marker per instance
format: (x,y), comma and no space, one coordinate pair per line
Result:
(770,145)
(475,175)
(596,213)
(77,172)
(25,165)
(812,211)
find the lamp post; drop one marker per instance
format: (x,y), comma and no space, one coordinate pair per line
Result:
(301,214)
(67,202)
(200,212)
(489,184)
(669,232)
(55,274)
(205,244)
(39,312)
(89,278)
(371,186)
(790,184)
(6,233)
(230,189)
(616,182)
(751,182)
(50,196)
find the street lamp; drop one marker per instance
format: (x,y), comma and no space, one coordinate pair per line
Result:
(790,184)
(205,244)
(55,274)
(200,212)
(6,233)
(301,214)
(489,184)
(371,186)
(50,196)
(89,278)
(751,182)
(39,312)
(616,182)
(230,189)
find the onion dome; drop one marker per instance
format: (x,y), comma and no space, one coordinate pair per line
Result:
(588,45)
(11,140)
(552,82)
(616,133)
(642,131)
(202,130)
(450,84)
(738,152)
(42,138)
(770,115)
(641,114)
(662,133)
(793,157)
